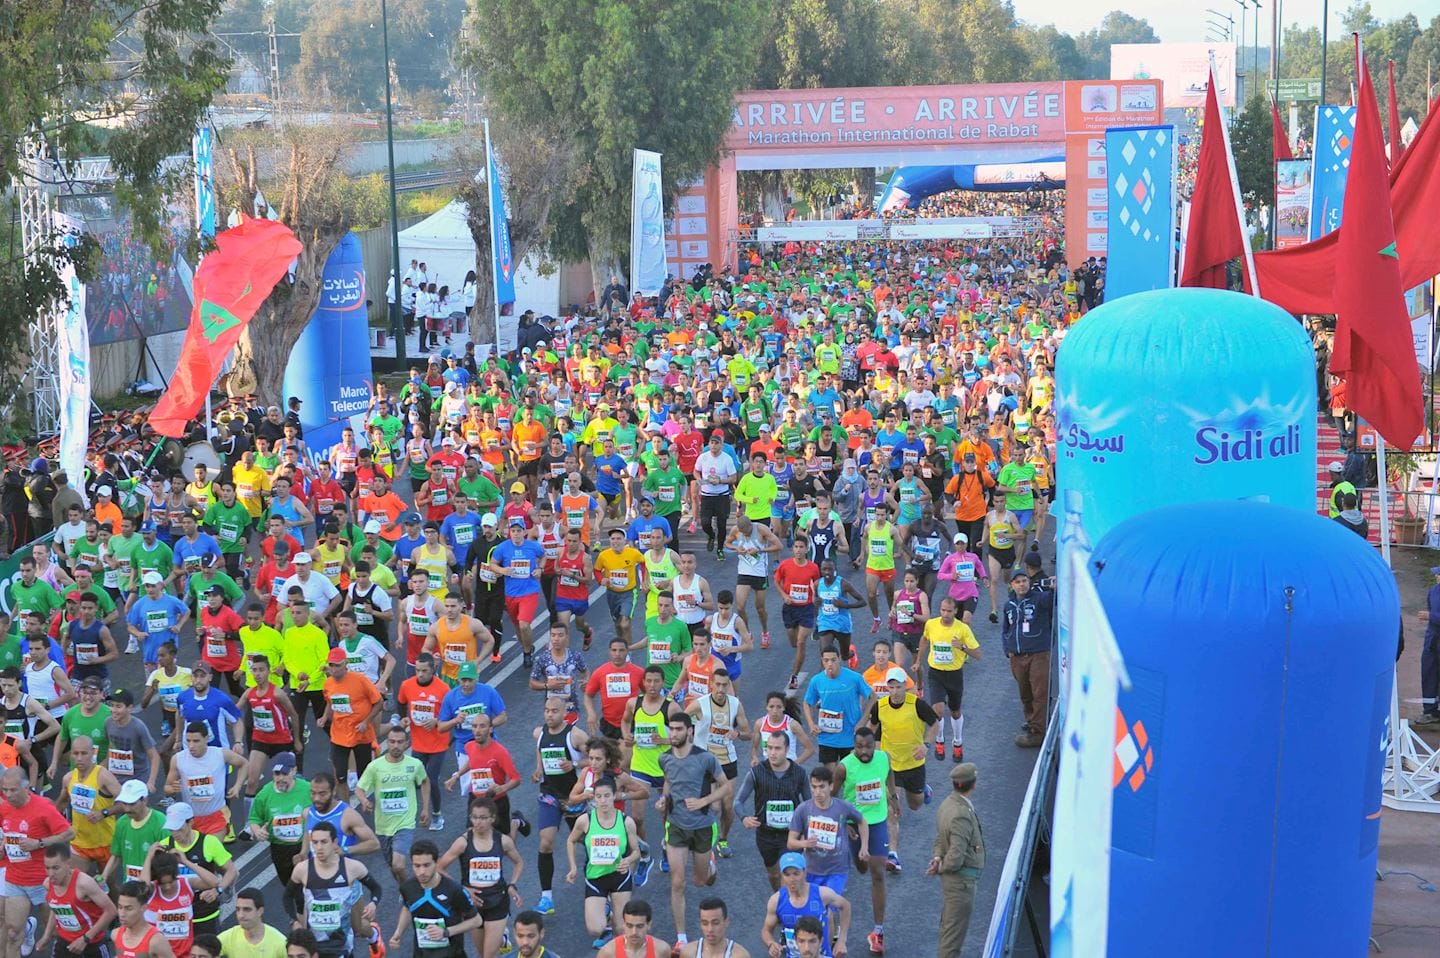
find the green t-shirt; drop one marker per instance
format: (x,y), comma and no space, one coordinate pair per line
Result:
(283,813)
(200,587)
(390,427)
(865,785)
(158,558)
(229,523)
(392,786)
(39,596)
(75,724)
(757,494)
(132,842)
(83,550)
(383,551)
(668,487)
(482,491)
(1018,476)
(753,415)
(234,942)
(666,646)
(11,655)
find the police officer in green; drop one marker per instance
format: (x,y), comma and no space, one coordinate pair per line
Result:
(957,857)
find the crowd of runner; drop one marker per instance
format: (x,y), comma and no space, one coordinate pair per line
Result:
(313,630)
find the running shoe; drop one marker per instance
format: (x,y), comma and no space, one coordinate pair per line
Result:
(720,555)
(764,640)
(691,528)
(722,848)
(957,753)
(546,904)
(506,945)
(437,822)
(527,660)
(642,871)
(892,862)
(599,943)
(495,657)
(929,794)
(874,626)
(876,941)
(520,823)
(939,749)
(665,865)
(589,634)
(794,685)
(377,941)
(709,540)
(994,617)
(27,946)
(853,661)
(131,649)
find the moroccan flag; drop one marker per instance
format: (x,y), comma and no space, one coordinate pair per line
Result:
(1277,134)
(230,285)
(1215,235)
(1395,148)
(1373,350)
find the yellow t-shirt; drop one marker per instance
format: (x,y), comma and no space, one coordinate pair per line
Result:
(169,687)
(948,644)
(85,798)
(329,562)
(250,485)
(262,641)
(617,570)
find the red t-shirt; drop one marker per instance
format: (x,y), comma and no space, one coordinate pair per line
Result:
(268,582)
(616,685)
(324,497)
(489,766)
(423,702)
(688,447)
(38,818)
(267,546)
(796,582)
(218,644)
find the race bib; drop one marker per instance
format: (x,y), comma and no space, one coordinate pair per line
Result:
(65,918)
(778,813)
(82,798)
(340,704)
(943,653)
(646,736)
(203,787)
(174,923)
(422,711)
(464,535)
(904,612)
(423,936)
(419,623)
(325,917)
(521,567)
(264,720)
(484,871)
(799,594)
(619,579)
(831,722)
(569,579)
(879,549)
(617,685)
(394,801)
(215,645)
(169,695)
(604,849)
(157,620)
(363,615)
(552,760)
(13,851)
(869,793)
(86,654)
(121,761)
(574,518)
(964,572)
(825,831)
(482,781)
(287,829)
(660,653)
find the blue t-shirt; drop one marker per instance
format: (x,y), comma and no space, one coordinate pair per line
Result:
(157,617)
(838,703)
(217,710)
(640,526)
(609,485)
(204,545)
(456,702)
(406,546)
(527,556)
(460,531)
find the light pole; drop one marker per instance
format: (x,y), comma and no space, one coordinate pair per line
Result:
(1255,46)
(1240,46)
(1324,47)
(397,326)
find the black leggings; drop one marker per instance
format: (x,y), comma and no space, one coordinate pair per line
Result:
(715,509)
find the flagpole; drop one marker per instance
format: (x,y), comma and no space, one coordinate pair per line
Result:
(492,169)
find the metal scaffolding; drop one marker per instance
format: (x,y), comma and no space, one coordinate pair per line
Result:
(32,190)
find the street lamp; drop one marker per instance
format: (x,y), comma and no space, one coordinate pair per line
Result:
(397,325)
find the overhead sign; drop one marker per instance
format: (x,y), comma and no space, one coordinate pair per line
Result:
(1184,68)
(1298,90)
(940,228)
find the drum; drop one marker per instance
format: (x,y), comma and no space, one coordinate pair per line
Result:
(201,454)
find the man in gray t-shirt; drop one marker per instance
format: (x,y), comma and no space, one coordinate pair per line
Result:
(820,828)
(695,785)
(132,752)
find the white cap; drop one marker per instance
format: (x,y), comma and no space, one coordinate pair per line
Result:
(152,578)
(373,525)
(133,791)
(488,519)
(1337,466)
(302,558)
(178,815)
(896,674)
(104,491)
(961,538)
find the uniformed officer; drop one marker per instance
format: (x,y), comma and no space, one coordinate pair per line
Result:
(957,857)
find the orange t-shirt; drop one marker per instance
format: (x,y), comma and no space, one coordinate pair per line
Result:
(351,701)
(387,508)
(109,513)
(855,420)
(423,701)
(530,440)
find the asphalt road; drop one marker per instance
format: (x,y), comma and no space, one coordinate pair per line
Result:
(992,720)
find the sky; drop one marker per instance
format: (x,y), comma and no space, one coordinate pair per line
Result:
(1178,22)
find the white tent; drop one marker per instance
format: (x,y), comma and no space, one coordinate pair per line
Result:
(442,241)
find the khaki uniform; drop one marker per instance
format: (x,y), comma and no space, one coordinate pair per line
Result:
(960,847)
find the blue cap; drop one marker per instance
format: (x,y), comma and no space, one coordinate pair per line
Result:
(41,464)
(1435,570)
(792,860)
(148,526)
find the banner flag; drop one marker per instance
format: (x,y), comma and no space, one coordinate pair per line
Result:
(230,285)
(1292,203)
(1080,853)
(1334,136)
(502,264)
(648,267)
(73,344)
(202,147)
(1141,219)
(329,369)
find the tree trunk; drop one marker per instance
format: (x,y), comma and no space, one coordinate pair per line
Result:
(604,262)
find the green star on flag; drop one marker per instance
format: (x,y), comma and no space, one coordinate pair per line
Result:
(1390,251)
(215,319)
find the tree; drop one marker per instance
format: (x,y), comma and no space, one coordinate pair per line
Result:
(541,167)
(655,74)
(1117,27)
(1250,138)
(824,43)
(315,196)
(57,71)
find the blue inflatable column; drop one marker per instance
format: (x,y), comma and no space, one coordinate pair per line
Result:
(1180,395)
(1249,752)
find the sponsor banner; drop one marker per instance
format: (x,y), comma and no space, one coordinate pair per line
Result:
(1140,237)
(1086,194)
(1334,135)
(502,261)
(329,368)
(838,231)
(648,266)
(1183,68)
(73,361)
(202,148)
(1080,850)
(930,230)
(691,226)
(1292,203)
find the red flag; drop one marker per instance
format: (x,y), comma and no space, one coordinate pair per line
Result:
(1215,236)
(1277,134)
(1395,148)
(1373,350)
(230,285)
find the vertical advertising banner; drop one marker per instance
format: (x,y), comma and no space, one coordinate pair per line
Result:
(73,345)
(1140,168)
(1086,197)
(502,260)
(1292,203)
(329,368)
(202,148)
(1334,134)
(648,264)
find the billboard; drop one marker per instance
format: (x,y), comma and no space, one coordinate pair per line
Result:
(1183,68)
(140,290)
(1334,136)
(1292,203)
(1141,210)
